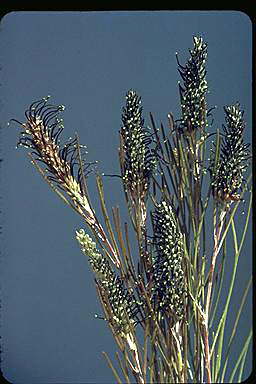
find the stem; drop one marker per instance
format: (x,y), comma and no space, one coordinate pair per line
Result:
(207,351)
(216,249)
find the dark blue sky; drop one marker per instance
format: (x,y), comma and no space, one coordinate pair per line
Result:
(88,61)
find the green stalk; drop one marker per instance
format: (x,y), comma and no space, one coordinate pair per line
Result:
(123,369)
(243,355)
(235,327)
(114,250)
(220,286)
(222,323)
(112,368)
(241,358)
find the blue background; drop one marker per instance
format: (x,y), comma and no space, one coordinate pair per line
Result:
(88,61)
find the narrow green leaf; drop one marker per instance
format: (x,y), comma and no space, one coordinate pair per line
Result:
(235,326)
(112,367)
(123,369)
(242,365)
(105,213)
(241,357)
(224,316)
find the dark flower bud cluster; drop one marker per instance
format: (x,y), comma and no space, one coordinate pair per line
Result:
(125,309)
(227,177)
(136,159)
(193,92)
(168,288)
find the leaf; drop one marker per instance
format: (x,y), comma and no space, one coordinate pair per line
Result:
(112,368)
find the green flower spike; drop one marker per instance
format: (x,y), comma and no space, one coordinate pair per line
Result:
(168,275)
(137,160)
(193,91)
(125,309)
(227,178)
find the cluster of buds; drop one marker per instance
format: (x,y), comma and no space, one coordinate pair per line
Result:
(193,92)
(227,176)
(124,309)
(41,133)
(168,284)
(137,160)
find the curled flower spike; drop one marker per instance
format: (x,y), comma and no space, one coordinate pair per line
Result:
(193,92)
(227,178)
(41,133)
(136,158)
(124,308)
(168,276)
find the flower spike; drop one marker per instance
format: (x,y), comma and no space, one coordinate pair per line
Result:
(125,310)
(168,276)
(41,133)
(138,161)
(193,91)
(227,178)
